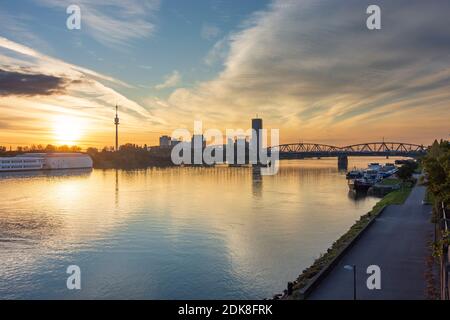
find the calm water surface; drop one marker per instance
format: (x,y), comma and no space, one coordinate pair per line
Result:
(177,233)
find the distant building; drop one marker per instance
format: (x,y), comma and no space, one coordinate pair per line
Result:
(45,161)
(242,142)
(198,141)
(257,125)
(241,148)
(174,142)
(165,141)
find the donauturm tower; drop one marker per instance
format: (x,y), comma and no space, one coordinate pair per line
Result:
(116,122)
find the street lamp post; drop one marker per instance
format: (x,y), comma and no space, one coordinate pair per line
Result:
(352,268)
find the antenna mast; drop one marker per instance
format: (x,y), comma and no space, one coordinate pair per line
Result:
(116,122)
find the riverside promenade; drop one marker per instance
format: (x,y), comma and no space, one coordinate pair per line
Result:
(397,243)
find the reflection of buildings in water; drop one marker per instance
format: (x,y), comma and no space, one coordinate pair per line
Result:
(342,170)
(46,173)
(256,181)
(357,195)
(116,194)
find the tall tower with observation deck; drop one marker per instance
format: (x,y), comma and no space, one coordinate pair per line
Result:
(116,122)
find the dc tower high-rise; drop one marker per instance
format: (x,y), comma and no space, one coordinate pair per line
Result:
(257,125)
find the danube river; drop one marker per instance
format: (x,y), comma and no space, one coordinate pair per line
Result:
(175,233)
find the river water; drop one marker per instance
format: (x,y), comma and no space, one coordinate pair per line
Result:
(175,233)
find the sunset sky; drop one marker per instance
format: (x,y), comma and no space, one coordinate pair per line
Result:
(308,67)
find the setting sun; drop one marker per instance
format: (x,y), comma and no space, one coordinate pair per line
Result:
(67,130)
(229,155)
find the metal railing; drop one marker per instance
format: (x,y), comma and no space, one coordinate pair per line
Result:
(445,258)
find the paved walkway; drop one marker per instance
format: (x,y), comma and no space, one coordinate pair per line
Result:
(397,243)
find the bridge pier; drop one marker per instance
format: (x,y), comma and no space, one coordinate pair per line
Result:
(342,162)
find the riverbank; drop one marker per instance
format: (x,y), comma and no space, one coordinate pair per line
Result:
(398,244)
(130,157)
(309,278)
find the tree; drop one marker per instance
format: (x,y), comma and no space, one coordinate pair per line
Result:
(437,168)
(405,172)
(50,148)
(91,150)
(435,150)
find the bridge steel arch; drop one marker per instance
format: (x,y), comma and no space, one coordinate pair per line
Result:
(312,150)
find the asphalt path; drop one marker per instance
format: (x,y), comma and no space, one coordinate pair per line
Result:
(397,242)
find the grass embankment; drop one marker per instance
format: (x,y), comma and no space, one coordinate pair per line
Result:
(395,197)
(390,182)
(429,197)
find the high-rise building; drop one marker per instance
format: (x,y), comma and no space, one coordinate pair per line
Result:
(257,125)
(198,141)
(165,141)
(174,142)
(198,145)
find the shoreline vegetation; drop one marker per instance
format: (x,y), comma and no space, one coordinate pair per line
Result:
(129,156)
(308,275)
(435,167)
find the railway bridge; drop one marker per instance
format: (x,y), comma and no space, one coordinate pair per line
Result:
(315,150)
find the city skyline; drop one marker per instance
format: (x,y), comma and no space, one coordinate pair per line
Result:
(311,69)
(227,158)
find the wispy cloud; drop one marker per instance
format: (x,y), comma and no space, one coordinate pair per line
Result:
(209,32)
(43,63)
(113,22)
(16,25)
(170,81)
(34,85)
(218,52)
(315,70)
(146,67)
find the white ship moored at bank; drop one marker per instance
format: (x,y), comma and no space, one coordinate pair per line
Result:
(45,161)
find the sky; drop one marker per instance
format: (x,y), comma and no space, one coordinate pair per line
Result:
(310,68)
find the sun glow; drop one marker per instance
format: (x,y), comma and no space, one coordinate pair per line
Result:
(67,130)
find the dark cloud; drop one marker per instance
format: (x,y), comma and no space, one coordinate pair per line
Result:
(28,84)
